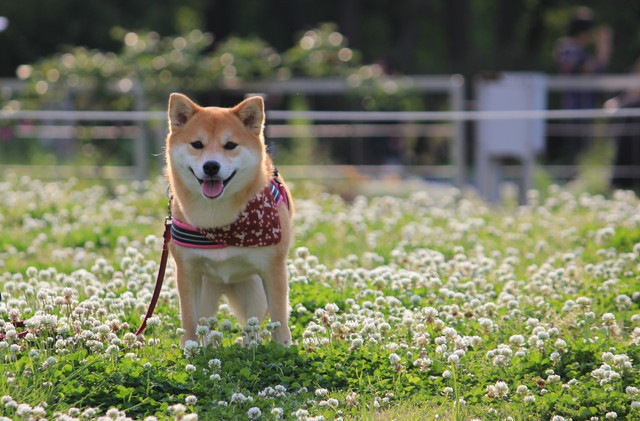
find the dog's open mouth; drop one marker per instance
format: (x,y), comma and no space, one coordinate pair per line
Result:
(213,187)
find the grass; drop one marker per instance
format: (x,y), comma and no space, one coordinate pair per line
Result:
(429,306)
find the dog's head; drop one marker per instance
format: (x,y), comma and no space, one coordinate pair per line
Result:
(215,150)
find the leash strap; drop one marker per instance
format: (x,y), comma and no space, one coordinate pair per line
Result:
(18,324)
(160,278)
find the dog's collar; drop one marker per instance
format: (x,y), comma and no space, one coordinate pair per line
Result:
(258,225)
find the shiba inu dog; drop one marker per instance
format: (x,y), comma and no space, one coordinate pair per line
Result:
(231,215)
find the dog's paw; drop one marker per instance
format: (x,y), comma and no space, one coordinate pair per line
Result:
(282,335)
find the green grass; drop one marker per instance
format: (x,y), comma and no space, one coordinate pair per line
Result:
(423,307)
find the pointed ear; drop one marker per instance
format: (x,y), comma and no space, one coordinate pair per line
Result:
(251,114)
(181,109)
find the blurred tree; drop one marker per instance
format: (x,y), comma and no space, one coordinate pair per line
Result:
(405,36)
(40,28)
(457,16)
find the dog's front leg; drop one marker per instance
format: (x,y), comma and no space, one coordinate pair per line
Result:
(189,282)
(276,287)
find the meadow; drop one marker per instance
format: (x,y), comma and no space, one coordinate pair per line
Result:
(429,306)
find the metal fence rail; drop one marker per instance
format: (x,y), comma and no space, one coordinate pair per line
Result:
(344,123)
(340,124)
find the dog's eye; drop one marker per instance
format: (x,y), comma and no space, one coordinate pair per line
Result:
(230,145)
(197,144)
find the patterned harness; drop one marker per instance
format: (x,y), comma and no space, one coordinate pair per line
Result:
(258,225)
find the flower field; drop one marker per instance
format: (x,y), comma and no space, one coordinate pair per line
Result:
(430,306)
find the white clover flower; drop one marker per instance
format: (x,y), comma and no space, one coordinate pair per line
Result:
(502,389)
(356,343)
(331,308)
(607,357)
(215,377)
(394,359)
(215,364)
(277,412)
(89,413)
(611,415)
(190,368)
(449,332)
(271,326)
(553,378)
(191,400)
(202,330)
(177,410)
(486,324)
(631,390)
(129,338)
(112,350)
(153,321)
(49,362)
(492,393)
(226,325)
(215,336)
(517,340)
(321,392)
(254,413)
(191,349)
(113,413)
(301,414)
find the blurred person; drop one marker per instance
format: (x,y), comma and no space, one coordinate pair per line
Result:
(627,155)
(574,56)
(586,50)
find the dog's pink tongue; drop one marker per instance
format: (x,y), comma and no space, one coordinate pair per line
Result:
(212,188)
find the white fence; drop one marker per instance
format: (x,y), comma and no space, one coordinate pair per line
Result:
(335,124)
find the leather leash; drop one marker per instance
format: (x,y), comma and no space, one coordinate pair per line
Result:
(156,292)
(18,324)
(160,277)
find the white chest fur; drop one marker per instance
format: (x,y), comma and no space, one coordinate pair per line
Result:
(227,265)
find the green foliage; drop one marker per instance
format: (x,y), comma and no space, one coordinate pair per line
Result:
(410,37)
(321,52)
(148,67)
(90,79)
(244,59)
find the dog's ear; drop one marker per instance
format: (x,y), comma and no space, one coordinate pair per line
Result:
(181,109)
(251,114)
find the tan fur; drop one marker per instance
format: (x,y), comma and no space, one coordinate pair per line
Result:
(253,279)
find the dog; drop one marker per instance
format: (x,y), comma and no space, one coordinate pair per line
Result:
(231,215)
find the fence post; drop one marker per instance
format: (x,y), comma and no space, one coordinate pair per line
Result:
(140,150)
(501,140)
(458,151)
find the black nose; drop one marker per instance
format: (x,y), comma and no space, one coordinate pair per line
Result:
(211,168)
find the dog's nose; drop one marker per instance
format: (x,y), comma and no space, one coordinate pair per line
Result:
(211,168)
